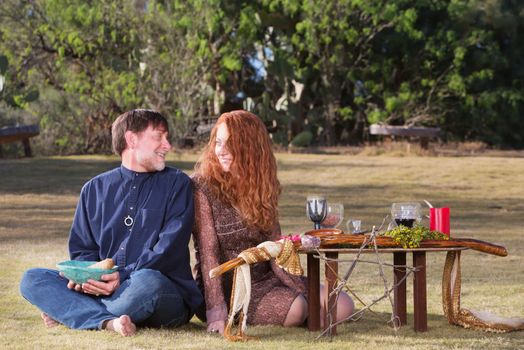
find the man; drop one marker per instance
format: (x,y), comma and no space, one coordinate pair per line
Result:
(140,215)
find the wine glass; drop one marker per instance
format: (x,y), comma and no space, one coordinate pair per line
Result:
(334,217)
(316,209)
(406,213)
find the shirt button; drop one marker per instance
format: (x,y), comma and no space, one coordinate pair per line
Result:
(131,208)
(122,248)
(134,187)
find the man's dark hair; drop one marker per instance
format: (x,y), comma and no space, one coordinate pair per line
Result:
(136,121)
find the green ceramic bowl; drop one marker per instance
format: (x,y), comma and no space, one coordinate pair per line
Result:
(79,272)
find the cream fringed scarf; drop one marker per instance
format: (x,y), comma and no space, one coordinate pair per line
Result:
(286,258)
(479,320)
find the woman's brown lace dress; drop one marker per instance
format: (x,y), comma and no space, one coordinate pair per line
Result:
(220,235)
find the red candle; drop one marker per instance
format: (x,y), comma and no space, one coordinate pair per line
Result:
(439,220)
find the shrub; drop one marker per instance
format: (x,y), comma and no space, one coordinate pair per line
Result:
(302,139)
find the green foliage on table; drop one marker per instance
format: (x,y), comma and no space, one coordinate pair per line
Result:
(410,237)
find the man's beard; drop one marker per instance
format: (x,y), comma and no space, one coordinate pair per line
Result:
(149,162)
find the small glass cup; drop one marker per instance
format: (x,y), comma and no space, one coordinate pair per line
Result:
(354,226)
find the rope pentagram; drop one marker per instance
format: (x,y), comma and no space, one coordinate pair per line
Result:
(342,283)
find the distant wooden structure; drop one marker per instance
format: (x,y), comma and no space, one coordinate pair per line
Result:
(424,134)
(19,133)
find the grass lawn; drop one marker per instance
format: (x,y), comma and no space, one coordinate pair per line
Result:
(486,196)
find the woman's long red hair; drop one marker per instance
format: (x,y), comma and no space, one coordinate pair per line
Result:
(251,185)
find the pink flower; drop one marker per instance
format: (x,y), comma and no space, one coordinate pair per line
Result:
(293,238)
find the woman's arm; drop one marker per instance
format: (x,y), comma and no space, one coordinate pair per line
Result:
(209,257)
(293,282)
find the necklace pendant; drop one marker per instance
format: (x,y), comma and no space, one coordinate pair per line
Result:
(128,221)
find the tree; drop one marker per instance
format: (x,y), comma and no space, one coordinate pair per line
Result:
(323,68)
(331,55)
(86,51)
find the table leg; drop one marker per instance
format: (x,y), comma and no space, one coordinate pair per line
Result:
(313,281)
(399,293)
(331,281)
(420,312)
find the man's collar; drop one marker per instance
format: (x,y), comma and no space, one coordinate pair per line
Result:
(130,174)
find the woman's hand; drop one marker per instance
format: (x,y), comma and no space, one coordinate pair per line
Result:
(216,327)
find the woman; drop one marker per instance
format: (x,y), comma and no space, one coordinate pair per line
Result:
(236,194)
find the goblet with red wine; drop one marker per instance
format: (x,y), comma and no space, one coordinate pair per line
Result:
(334,216)
(406,214)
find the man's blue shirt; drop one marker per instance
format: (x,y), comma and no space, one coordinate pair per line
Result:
(158,210)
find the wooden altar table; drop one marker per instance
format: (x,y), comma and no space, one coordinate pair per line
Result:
(399,292)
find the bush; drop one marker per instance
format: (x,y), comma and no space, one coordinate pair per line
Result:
(302,139)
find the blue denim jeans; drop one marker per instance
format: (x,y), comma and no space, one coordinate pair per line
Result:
(147,296)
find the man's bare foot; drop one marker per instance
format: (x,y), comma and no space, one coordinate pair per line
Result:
(122,325)
(48,321)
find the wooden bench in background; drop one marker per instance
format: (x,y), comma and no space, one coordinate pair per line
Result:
(19,133)
(424,134)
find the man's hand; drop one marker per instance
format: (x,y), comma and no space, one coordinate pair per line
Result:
(72,285)
(107,286)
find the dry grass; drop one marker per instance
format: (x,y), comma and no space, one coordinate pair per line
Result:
(38,196)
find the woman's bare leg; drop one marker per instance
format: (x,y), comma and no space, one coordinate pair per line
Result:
(297,312)
(345,305)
